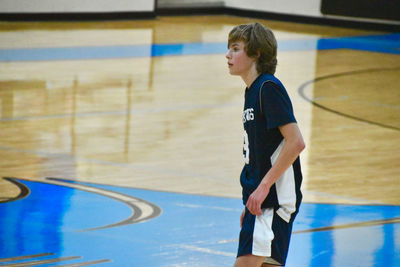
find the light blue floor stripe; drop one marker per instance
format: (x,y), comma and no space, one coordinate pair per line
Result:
(389,43)
(192,230)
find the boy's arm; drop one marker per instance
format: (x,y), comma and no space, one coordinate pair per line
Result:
(292,147)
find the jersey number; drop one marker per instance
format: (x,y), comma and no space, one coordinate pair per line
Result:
(246,150)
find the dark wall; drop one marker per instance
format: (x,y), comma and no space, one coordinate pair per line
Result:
(375,9)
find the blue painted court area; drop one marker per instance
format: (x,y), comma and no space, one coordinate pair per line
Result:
(54,222)
(385,43)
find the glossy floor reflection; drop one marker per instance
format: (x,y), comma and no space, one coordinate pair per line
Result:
(149,104)
(61,220)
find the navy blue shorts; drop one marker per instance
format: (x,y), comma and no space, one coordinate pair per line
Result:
(267,235)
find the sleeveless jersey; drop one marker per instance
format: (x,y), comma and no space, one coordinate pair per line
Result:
(264,111)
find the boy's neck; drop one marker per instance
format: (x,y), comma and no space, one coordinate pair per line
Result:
(250,77)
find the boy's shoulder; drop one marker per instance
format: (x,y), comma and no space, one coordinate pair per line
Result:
(266,83)
(269,78)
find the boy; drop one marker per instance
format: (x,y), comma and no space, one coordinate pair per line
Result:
(271,176)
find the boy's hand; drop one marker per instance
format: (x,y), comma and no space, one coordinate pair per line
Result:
(256,199)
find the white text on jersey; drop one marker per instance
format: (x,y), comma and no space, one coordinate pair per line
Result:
(248,115)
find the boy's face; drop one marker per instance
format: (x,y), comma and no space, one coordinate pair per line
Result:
(238,61)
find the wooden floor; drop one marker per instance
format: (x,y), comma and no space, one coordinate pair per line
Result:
(172,123)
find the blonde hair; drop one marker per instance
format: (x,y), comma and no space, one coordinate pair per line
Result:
(259,41)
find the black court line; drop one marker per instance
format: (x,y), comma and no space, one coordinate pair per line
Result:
(302,88)
(340,226)
(142,210)
(350,225)
(8,261)
(41,262)
(26,257)
(343,226)
(24,191)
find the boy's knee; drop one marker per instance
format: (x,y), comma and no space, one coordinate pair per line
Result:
(249,261)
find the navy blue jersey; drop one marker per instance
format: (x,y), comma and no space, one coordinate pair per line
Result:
(264,111)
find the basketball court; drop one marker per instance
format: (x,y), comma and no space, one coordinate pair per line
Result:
(121,143)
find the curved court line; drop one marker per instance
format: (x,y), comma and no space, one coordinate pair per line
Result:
(302,88)
(24,190)
(142,210)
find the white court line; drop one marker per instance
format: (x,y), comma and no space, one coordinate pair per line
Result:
(208,251)
(207,207)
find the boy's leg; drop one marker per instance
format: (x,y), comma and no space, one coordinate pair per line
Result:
(267,235)
(255,239)
(249,261)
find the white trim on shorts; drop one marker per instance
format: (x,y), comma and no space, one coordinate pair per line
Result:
(263,234)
